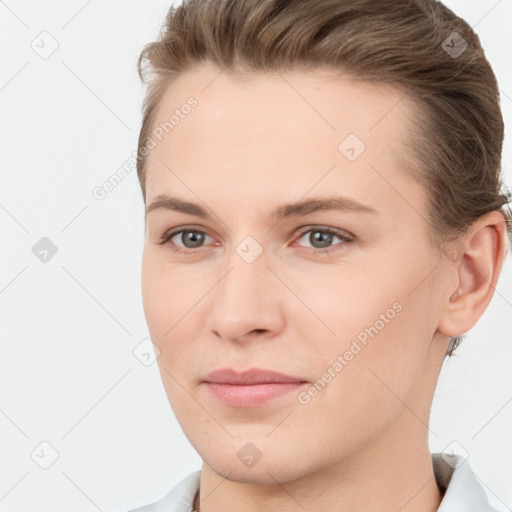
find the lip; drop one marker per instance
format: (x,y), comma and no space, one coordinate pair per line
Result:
(250,388)
(249,377)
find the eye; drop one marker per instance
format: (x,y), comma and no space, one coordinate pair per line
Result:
(322,238)
(189,238)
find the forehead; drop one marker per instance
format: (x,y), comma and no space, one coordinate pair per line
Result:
(329,102)
(281,134)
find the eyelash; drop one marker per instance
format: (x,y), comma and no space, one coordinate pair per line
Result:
(166,238)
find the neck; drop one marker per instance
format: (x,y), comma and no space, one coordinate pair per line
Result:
(397,474)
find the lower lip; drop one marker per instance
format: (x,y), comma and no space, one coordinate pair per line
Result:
(250,395)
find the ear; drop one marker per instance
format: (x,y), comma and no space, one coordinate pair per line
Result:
(476,268)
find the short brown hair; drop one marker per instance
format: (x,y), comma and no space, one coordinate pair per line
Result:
(418,46)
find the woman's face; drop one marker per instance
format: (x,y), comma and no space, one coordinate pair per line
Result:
(344,300)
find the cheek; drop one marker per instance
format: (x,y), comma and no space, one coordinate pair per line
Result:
(164,286)
(171,300)
(376,330)
(154,297)
(165,292)
(342,301)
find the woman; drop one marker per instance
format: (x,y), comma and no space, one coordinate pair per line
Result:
(324,221)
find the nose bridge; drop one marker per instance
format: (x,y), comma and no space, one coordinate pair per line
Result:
(244,285)
(246,298)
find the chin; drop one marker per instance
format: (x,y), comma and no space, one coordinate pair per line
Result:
(246,462)
(263,473)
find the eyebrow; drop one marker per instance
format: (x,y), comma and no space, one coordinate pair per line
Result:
(297,209)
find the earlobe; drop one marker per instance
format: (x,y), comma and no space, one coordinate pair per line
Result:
(477,274)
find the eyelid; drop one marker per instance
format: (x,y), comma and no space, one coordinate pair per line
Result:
(341,233)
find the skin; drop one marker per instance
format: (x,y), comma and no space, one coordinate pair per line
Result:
(253,143)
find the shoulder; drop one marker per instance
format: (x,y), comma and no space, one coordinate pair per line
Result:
(179,499)
(462,489)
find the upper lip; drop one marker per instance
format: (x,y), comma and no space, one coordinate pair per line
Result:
(248,377)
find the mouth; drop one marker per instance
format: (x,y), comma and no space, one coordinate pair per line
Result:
(250,388)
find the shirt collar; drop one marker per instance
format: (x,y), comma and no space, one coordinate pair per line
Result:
(462,491)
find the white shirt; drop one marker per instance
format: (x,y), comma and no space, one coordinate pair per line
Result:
(462,491)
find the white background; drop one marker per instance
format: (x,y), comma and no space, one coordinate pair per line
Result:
(68,328)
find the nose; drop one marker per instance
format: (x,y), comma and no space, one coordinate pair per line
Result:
(248,301)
